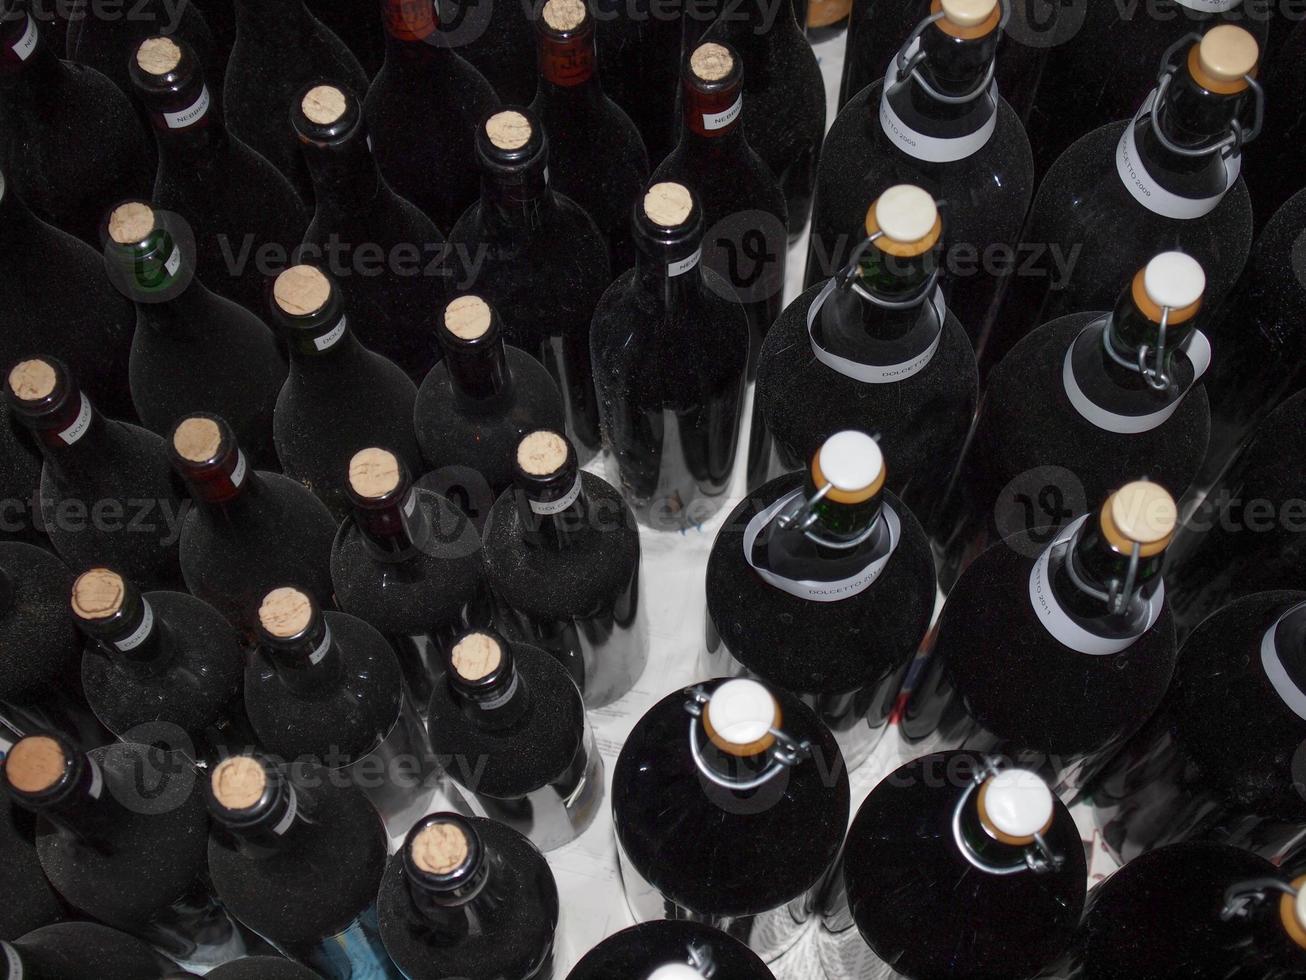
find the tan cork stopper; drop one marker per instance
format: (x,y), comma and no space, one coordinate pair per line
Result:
(285,612)
(1227,53)
(668,204)
(508,130)
(439,848)
(239,782)
(35,764)
(32,380)
(373,472)
(476,655)
(711,62)
(98,594)
(323,104)
(131,223)
(467,317)
(301,290)
(541,453)
(197,439)
(968,13)
(158,55)
(564,15)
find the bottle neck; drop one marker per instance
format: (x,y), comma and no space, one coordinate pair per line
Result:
(955,66)
(479,373)
(568,64)
(345,175)
(674,277)
(555,516)
(712,121)
(497,702)
(394,529)
(187,120)
(410,32)
(731,767)
(220,487)
(272,18)
(981,844)
(1091,561)
(1129,333)
(82,806)
(448,917)
(69,429)
(1192,116)
(322,338)
(849,320)
(515,199)
(30,67)
(135,639)
(275,823)
(309,664)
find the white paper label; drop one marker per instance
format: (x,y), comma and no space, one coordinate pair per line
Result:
(320,652)
(1292,695)
(141,632)
(292,807)
(1198,352)
(933,149)
(874,373)
(12,963)
(174,262)
(186,117)
(410,504)
(97,779)
(557,506)
(1048,609)
(26,44)
(685,264)
(78,429)
(502,699)
(1151,195)
(722,119)
(238,472)
(332,337)
(807,588)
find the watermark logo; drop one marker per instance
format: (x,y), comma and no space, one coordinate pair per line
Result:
(1033,508)
(747,248)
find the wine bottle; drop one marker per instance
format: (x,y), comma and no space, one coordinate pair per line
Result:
(639,51)
(536,253)
(240,207)
(507,723)
(340,397)
(1115,394)
(1191,910)
(263,968)
(664,949)
(670,347)
(562,557)
(32,901)
(1276,160)
(60,303)
(1083,618)
(1182,778)
(81,951)
(107,40)
(876,349)
(1168,179)
(359,25)
(297,857)
(387,256)
(280,47)
(784,96)
(160,658)
(942,126)
(193,351)
(597,157)
(468,897)
(408,563)
(220,15)
(250,531)
(121,835)
(53,110)
(956,865)
(478,402)
(20,480)
(734,823)
(423,108)
(496,39)
(809,561)
(107,494)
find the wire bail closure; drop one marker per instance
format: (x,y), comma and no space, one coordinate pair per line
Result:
(847,278)
(1236,138)
(1118,593)
(803,516)
(907,68)
(786,753)
(1038,858)
(1154,374)
(701,959)
(1239,898)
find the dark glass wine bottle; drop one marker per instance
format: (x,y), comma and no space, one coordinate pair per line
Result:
(1168,179)
(508,724)
(496,39)
(670,350)
(263,968)
(81,951)
(340,397)
(809,561)
(106,39)
(53,111)
(641,951)
(596,155)
(20,482)
(107,494)
(536,253)
(1276,160)
(193,351)
(1111,394)
(1204,911)
(160,659)
(468,897)
(250,531)
(297,857)
(876,349)
(359,25)
(562,557)
(241,209)
(942,126)
(1185,776)
(387,257)
(31,901)
(477,403)
(956,865)
(730,802)
(639,51)
(1082,620)
(121,835)
(281,47)
(423,108)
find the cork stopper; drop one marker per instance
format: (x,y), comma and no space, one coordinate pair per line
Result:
(323,104)
(285,612)
(908,219)
(739,718)
(439,848)
(197,439)
(98,594)
(476,655)
(541,453)
(35,764)
(373,473)
(668,204)
(158,55)
(301,290)
(711,62)
(467,317)
(239,782)
(968,13)
(131,223)
(1015,805)
(564,15)
(32,380)
(1227,53)
(1140,513)
(508,130)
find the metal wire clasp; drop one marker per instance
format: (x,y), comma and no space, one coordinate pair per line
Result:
(848,274)
(1040,858)
(701,959)
(1118,593)
(785,753)
(1239,898)
(1236,138)
(907,66)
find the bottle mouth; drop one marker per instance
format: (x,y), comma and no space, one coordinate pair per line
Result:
(1140,514)
(302,291)
(37,765)
(565,19)
(200,441)
(98,594)
(468,320)
(35,383)
(967,20)
(325,114)
(543,454)
(375,475)
(161,64)
(477,658)
(852,464)
(740,718)
(443,854)
(286,615)
(239,784)
(714,67)
(511,140)
(669,220)
(1171,285)
(1015,806)
(1223,59)
(907,221)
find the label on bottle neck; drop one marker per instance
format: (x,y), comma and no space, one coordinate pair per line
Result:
(26,43)
(1049,611)
(410,20)
(191,115)
(933,149)
(712,121)
(238,471)
(811,589)
(320,651)
(499,700)
(292,808)
(1145,189)
(874,373)
(139,634)
(679,268)
(1197,351)
(1292,695)
(546,507)
(96,789)
(78,429)
(332,336)
(568,63)
(410,502)
(12,962)
(174,262)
